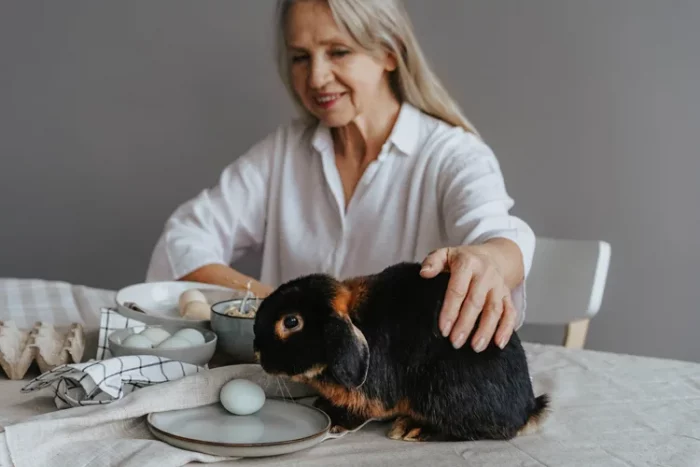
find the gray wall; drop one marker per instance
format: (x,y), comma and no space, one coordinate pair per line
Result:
(113,113)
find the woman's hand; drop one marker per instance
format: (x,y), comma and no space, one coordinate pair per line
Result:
(481,280)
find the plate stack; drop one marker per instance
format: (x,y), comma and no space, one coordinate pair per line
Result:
(158,303)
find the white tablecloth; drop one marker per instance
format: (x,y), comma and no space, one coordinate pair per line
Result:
(608,409)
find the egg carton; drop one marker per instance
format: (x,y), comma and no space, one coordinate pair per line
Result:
(43,343)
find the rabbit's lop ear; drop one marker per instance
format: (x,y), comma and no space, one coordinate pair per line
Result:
(347,352)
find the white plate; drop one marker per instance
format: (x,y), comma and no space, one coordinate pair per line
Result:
(159,300)
(279,427)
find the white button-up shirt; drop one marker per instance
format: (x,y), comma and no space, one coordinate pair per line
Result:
(433,185)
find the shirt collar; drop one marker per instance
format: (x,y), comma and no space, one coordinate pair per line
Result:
(404,136)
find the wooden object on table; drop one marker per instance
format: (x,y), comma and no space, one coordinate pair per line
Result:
(566,284)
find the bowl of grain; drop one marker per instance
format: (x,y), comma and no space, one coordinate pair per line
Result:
(232,321)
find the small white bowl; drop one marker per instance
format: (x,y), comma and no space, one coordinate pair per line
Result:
(159,301)
(194,354)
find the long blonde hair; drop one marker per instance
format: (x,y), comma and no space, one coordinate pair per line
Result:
(376,24)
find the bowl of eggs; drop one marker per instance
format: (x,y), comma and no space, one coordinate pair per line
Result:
(189,345)
(232,321)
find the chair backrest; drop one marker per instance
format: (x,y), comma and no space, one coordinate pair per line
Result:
(566,281)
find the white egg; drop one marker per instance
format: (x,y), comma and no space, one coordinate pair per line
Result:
(197,310)
(192,335)
(191,295)
(138,341)
(156,335)
(242,397)
(174,343)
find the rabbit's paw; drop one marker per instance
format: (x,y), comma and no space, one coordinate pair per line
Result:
(407,429)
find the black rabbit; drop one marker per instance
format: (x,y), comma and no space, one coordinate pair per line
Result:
(371,347)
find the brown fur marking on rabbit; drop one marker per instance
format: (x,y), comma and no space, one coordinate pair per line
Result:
(399,428)
(404,408)
(280,331)
(358,288)
(348,295)
(309,374)
(341,302)
(405,428)
(358,403)
(537,418)
(353,401)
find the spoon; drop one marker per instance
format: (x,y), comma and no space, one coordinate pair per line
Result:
(135,307)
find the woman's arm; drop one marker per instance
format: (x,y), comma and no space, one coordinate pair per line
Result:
(489,254)
(220,274)
(207,233)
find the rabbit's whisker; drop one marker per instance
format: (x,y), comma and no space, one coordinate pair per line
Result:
(291,397)
(279,387)
(267,383)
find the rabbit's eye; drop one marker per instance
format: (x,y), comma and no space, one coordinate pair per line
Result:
(291,322)
(288,325)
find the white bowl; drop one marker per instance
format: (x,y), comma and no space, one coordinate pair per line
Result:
(159,301)
(198,354)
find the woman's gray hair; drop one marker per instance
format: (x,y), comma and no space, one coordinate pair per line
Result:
(382,24)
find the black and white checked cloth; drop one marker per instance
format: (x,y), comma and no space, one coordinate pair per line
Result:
(110,321)
(102,382)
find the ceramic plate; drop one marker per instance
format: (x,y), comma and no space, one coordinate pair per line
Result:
(279,427)
(159,300)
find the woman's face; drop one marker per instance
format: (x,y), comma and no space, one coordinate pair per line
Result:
(335,79)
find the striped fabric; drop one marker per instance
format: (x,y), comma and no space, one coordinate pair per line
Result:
(26,301)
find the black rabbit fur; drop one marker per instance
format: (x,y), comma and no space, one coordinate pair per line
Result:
(372,348)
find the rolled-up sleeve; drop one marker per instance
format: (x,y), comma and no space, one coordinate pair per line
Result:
(219,224)
(476,206)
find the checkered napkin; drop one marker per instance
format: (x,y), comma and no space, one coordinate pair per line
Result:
(107,378)
(110,321)
(102,382)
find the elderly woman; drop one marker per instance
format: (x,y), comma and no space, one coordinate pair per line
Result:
(383,168)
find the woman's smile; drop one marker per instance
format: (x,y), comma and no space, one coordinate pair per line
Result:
(327,100)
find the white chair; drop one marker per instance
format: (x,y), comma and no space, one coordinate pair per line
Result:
(566,284)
